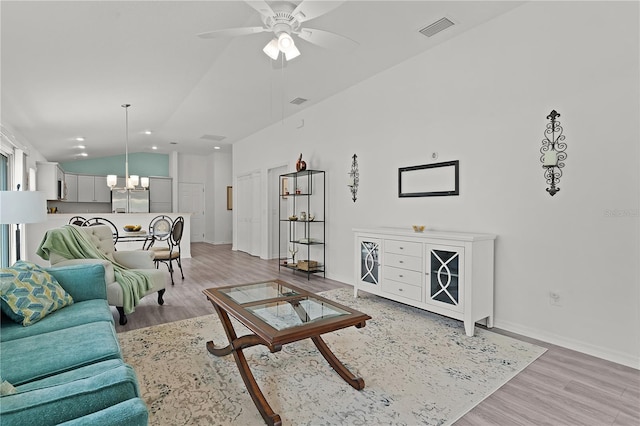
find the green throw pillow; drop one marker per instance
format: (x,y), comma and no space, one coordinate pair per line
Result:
(28,293)
(6,388)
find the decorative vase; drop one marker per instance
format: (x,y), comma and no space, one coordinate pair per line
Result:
(300,164)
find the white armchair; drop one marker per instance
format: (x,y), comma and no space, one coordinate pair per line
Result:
(136,260)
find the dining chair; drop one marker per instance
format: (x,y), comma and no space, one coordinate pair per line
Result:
(77,220)
(159,230)
(171,252)
(102,221)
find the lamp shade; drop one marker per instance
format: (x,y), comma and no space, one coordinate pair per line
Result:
(22,207)
(271,49)
(284,42)
(291,52)
(112,180)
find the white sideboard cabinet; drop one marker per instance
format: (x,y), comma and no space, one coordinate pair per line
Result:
(448,273)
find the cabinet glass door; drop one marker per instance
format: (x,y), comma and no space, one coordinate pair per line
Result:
(445,281)
(369,261)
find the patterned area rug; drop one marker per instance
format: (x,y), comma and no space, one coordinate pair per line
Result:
(418,368)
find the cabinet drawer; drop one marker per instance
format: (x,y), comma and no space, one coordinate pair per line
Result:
(401,289)
(403,261)
(403,247)
(403,275)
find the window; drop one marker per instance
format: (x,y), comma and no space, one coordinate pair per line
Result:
(4,229)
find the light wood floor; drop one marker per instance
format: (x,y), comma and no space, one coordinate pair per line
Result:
(562,387)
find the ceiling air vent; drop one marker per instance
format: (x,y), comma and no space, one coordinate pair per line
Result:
(436,27)
(215,138)
(298,101)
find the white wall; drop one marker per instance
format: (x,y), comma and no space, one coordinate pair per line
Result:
(482,98)
(214,172)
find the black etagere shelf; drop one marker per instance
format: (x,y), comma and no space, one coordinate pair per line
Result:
(301,230)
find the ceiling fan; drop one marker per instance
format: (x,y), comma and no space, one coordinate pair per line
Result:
(284,19)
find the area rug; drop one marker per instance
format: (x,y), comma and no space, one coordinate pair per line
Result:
(418,368)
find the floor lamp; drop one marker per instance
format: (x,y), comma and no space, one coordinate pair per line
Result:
(18,207)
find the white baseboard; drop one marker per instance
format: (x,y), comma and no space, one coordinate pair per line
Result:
(217,242)
(598,351)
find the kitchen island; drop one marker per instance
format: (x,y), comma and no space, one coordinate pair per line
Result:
(34,232)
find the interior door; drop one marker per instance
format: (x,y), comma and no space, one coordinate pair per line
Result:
(191,200)
(276,250)
(247,202)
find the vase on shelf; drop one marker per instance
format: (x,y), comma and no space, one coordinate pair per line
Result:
(301,165)
(293,250)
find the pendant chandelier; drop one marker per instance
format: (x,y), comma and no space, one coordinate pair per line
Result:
(131,182)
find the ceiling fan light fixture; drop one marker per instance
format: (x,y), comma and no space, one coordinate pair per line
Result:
(271,49)
(291,52)
(285,42)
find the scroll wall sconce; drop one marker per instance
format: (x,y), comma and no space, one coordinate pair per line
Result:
(354,178)
(553,152)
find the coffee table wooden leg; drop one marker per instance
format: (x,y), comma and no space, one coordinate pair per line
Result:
(348,376)
(235,346)
(271,418)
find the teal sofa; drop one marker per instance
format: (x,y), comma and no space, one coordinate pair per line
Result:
(67,368)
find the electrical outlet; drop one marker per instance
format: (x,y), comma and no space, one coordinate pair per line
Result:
(555,298)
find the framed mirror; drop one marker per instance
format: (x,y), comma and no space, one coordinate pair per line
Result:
(429,180)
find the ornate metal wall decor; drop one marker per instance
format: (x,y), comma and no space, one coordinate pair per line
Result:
(553,152)
(354,178)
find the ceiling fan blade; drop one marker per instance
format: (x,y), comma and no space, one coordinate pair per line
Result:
(261,6)
(232,32)
(327,39)
(308,10)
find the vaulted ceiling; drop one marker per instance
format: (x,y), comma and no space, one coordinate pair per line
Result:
(68,66)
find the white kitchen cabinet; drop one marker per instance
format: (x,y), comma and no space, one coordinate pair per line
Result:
(101,191)
(448,273)
(71,182)
(93,189)
(50,180)
(160,194)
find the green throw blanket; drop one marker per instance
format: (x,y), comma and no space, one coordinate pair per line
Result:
(71,243)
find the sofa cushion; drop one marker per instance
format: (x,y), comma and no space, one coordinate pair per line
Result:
(132,412)
(82,282)
(28,293)
(71,375)
(71,399)
(43,355)
(79,313)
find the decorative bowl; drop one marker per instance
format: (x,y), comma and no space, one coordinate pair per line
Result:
(132,228)
(418,228)
(294,217)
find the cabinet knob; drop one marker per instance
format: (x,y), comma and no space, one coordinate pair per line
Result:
(400,289)
(401,248)
(401,261)
(400,275)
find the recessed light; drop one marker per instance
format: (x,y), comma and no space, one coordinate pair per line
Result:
(82,154)
(147,132)
(216,147)
(154,147)
(80,139)
(80,146)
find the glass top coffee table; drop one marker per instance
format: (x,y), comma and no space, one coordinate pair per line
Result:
(278,313)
